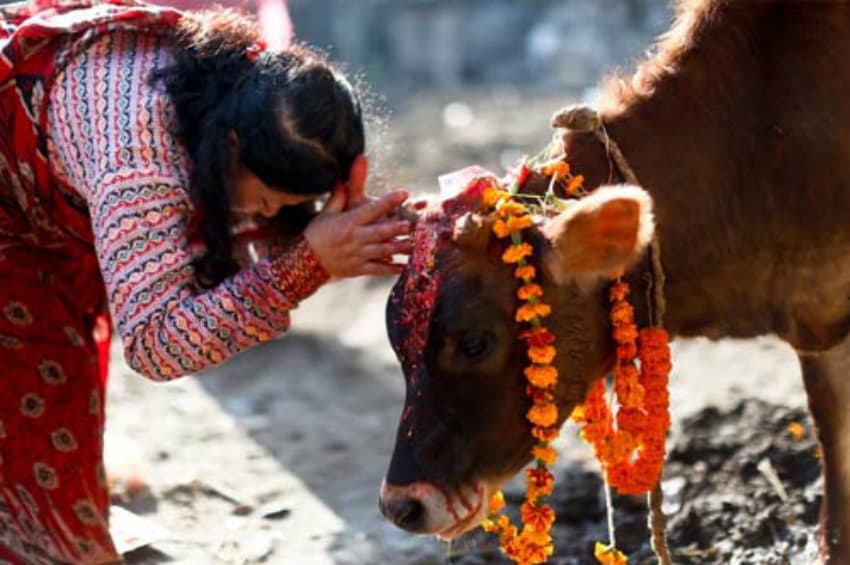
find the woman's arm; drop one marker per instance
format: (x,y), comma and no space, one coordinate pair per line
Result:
(113,139)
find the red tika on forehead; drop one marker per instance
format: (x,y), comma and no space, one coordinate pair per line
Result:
(415,294)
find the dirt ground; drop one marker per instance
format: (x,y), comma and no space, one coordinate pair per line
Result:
(277,456)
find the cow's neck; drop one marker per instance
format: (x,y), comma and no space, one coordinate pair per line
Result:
(702,143)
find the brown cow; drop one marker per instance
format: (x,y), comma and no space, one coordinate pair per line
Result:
(739,131)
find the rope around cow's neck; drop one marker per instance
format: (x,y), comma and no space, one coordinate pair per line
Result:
(585,119)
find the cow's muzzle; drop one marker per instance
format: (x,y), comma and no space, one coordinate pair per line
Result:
(428,508)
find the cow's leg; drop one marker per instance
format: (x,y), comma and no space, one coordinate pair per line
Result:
(827,380)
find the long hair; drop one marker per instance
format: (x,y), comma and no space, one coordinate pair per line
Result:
(298,122)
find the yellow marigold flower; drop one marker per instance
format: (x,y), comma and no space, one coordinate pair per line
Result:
(797,430)
(541,376)
(515,253)
(527,291)
(542,355)
(500,228)
(525,272)
(609,555)
(545,454)
(543,414)
(493,195)
(497,502)
(490,526)
(528,312)
(519,223)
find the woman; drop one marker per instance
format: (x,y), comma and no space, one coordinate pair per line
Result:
(133,141)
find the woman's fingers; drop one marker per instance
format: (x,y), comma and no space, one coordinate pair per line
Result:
(375,209)
(378,268)
(375,251)
(382,232)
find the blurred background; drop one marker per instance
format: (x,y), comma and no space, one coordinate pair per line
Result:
(278,455)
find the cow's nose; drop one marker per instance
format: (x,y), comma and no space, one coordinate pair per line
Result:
(405,512)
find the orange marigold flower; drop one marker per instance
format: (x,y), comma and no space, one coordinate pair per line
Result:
(497,502)
(537,337)
(526,291)
(500,523)
(622,313)
(632,420)
(539,518)
(537,537)
(797,430)
(515,253)
(625,334)
(619,291)
(511,208)
(543,415)
(490,526)
(654,335)
(609,555)
(627,351)
(527,551)
(555,166)
(620,448)
(544,434)
(541,376)
(542,355)
(526,272)
(493,195)
(545,454)
(519,223)
(539,482)
(509,533)
(500,228)
(528,312)
(630,394)
(574,184)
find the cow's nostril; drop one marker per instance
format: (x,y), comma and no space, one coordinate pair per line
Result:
(406,513)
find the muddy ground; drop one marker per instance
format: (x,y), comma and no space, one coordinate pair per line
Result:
(277,456)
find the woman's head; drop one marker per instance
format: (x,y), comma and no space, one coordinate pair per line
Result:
(268,132)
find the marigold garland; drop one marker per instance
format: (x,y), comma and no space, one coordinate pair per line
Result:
(632,451)
(533,544)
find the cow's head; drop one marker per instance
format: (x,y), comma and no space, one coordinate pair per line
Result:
(463,431)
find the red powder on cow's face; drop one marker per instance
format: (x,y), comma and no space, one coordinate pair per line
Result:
(415,295)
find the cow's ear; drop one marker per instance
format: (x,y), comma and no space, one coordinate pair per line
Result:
(601,234)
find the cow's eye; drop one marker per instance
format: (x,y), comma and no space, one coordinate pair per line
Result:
(474,345)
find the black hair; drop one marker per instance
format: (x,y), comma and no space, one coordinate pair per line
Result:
(298,122)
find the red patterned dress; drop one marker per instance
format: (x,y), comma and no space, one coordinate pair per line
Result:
(94,214)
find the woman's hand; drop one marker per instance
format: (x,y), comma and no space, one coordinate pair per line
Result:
(350,242)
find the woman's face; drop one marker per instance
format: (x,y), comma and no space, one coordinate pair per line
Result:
(252,197)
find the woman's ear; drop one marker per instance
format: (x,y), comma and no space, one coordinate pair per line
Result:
(357,181)
(601,234)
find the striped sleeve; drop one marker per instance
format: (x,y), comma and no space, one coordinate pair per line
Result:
(111,139)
